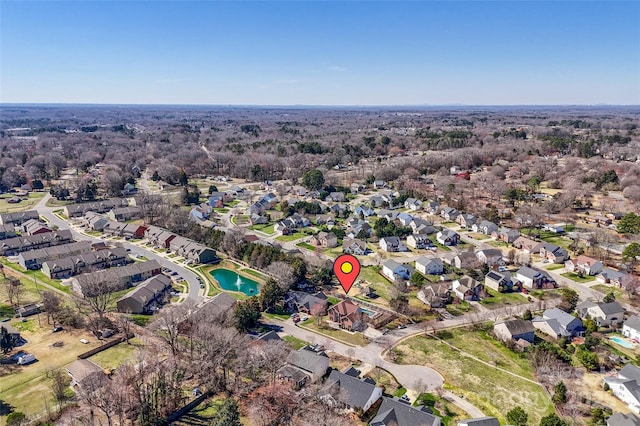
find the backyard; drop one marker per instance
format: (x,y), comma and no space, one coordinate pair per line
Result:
(25,204)
(577,278)
(265,229)
(356,339)
(500,300)
(483,384)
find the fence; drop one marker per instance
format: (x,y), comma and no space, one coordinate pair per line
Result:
(103,347)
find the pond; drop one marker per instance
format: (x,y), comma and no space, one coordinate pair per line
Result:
(231,281)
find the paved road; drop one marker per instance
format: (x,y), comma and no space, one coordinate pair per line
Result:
(190,277)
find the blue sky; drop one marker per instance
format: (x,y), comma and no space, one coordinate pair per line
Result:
(320,53)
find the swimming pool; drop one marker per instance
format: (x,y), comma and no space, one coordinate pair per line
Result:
(621,342)
(369,313)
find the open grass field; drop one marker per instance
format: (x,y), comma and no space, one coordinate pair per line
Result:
(306,246)
(39,276)
(493,391)
(27,388)
(26,203)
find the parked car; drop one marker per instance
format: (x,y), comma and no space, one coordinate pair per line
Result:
(26,359)
(56,329)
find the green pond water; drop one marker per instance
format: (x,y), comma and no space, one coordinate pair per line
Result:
(231,281)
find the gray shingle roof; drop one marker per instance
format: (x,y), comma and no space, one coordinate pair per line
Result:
(633,322)
(347,389)
(396,413)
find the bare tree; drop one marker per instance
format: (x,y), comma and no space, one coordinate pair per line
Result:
(52,305)
(98,291)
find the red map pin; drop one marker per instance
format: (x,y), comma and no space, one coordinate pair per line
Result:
(347,269)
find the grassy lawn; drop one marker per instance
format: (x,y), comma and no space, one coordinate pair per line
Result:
(578,279)
(306,245)
(28,388)
(499,300)
(379,283)
(554,267)
(221,210)
(478,237)
(291,237)
(448,412)
(116,355)
(355,339)
(334,252)
(267,229)
(254,273)
(141,320)
(437,244)
(385,379)
(37,275)
(294,343)
(491,390)
(26,203)
(241,219)
(498,244)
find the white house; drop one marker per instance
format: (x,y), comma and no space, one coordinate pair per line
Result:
(631,328)
(392,244)
(584,264)
(429,266)
(485,227)
(448,237)
(604,314)
(413,204)
(419,241)
(394,270)
(626,387)
(490,256)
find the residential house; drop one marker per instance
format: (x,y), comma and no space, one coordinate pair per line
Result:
(94,221)
(34,259)
(126,230)
(557,323)
(584,265)
(394,270)
(466,220)
(256,219)
(612,277)
(515,329)
(354,246)
(376,200)
(347,315)
(393,412)
(190,250)
(16,245)
(448,237)
(484,227)
(605,314)
(431,207)
(379,184)
(121,277)
(631,328)
(404,219)
(300,301)
(429,266)
(75,264)
(480,421)
(356,188)
(77,210)
(392,244)
(555,228)
(34,227)
(553,253)
(463,260)
(159,237)
(620,419)
(7,231)
(437,295)
(533,279)
(147,295)
(200,213)
(466,288)
(506,235)
(421,226)
(129,189)
(490,257)
(626,386)
(527,245)
(449,214)
(18,218)
(342,390)
(216,200)
(337,197)
(412,204)
(303,366)
(419,241)
(364,211)
(85,373)
(498,281)
(325,239)
(122,214)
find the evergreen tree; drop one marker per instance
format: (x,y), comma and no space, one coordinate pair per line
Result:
(517,417)
(227,415)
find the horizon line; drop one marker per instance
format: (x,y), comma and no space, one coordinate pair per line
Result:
(595,105)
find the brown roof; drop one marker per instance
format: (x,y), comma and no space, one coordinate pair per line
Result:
(83,368)
(346,307)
